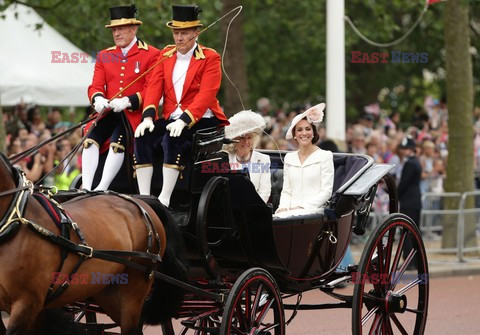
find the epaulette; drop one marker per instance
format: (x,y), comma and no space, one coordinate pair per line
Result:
(199,54)
(142,45)
(111,48)
(206,48)
(170,52)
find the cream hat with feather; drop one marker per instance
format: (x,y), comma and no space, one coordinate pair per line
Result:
(244,122)
(314,116)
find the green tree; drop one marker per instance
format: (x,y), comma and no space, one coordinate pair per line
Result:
(460,105)
(234,61)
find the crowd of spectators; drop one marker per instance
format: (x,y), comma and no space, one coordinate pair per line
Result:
(26,127)
(376,133)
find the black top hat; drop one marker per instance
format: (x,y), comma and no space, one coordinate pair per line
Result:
(407,143)
(123,16)
(185,17)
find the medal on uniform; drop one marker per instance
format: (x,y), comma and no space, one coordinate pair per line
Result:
(137,67)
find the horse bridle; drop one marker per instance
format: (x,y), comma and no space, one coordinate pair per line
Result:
(17,205)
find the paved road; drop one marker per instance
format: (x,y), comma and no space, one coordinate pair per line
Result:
(454,309)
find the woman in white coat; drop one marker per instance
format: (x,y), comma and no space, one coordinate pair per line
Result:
(308,172)
(246,128)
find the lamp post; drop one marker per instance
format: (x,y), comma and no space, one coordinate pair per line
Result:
(336,71)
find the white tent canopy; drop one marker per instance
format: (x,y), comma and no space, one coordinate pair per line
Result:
(27,70)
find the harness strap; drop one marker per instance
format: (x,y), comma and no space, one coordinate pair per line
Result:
(52,295)
(15,190)
(108,255)
(85,250)
(148,221)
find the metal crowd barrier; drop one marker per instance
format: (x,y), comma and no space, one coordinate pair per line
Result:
(433,216)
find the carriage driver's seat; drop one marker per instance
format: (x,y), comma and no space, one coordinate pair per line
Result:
(205,158)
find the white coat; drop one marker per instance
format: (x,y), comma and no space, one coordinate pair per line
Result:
(259,170)
(308,185)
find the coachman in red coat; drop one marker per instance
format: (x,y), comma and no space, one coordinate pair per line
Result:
(188,80)
(115,68)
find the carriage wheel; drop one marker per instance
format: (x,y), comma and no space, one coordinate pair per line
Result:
(254,306)
(388,298)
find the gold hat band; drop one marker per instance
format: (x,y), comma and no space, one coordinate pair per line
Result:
(184,24)
(123,22)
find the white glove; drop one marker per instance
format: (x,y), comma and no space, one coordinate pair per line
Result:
(100,103)
(147,123)
(176,127)
(119,104)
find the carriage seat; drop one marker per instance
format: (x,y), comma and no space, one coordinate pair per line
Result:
(346,167)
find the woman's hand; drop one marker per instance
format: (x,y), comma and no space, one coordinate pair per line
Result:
(280,210)
(298,207)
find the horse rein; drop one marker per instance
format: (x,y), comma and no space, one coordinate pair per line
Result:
(26,187)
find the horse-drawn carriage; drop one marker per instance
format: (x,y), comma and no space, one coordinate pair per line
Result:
(242,263)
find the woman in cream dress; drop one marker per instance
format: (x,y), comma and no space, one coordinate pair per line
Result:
(246,128)
(308,172)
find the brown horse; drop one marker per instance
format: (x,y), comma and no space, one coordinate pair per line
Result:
(28,262)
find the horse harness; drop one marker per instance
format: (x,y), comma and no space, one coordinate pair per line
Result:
(10,223)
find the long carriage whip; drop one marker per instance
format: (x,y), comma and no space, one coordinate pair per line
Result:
(72,153)
(18,157)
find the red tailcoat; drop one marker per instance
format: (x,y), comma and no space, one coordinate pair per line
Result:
(200,89)
(113,72)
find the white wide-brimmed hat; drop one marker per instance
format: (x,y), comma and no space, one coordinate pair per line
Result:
(244,122)
(314,116)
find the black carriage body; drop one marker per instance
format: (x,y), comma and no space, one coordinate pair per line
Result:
(228,228)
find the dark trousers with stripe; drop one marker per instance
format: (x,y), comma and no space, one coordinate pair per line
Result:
(175,149)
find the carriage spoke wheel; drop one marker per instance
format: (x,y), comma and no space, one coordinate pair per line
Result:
(390,297)
(254,306)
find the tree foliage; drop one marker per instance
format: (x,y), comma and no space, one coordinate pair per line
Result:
(285,45)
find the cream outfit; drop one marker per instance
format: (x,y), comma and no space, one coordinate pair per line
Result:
(308,185)
(259,170)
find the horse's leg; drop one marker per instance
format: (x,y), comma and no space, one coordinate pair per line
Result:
(132,297)
(3,330)
(23,316)
(109,301)
(123,302)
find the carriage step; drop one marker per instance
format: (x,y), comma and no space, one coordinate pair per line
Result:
(329,287)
